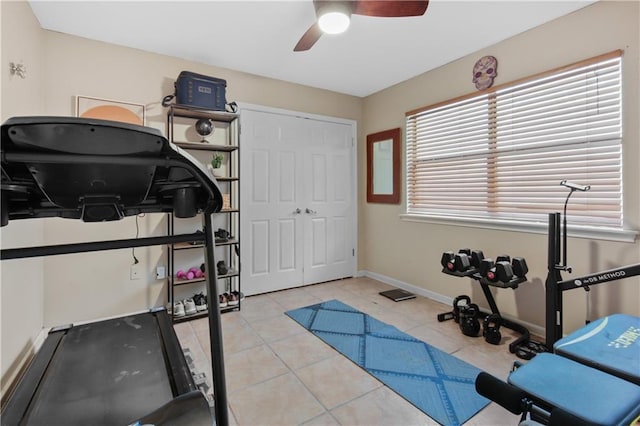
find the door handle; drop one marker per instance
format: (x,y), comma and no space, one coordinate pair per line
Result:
(297,211)
(309,211)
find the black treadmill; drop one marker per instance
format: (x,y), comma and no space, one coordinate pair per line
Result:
(125,370)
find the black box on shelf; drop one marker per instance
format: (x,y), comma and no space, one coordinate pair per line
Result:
(201,91)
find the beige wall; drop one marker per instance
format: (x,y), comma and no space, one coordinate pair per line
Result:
(88,286)
(21,292)
(410,252)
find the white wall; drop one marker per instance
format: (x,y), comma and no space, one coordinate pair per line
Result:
(21,291)
(410,252)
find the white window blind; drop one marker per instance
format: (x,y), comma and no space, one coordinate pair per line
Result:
(501,154)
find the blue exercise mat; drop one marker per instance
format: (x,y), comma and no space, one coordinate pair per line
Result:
(439,384)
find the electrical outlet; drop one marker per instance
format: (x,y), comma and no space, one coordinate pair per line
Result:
(135,272)
(160,273)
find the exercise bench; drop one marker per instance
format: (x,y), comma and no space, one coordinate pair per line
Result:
(610,344)
(593,378)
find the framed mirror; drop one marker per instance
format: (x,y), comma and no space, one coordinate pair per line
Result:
(383,167)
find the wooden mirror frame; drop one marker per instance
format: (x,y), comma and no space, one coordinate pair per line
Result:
(394,136)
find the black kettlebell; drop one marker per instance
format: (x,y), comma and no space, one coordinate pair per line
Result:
(457,304)
(469,322)
(491,329)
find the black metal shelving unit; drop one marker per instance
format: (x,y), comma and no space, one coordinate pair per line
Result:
(229,250)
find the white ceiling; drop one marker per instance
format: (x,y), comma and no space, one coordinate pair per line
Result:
(258,36)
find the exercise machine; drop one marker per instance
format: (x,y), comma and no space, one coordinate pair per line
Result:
(556,286)
(593,376)
(551,389)
(106,372)
(596,385)
(612,343)
(125,370)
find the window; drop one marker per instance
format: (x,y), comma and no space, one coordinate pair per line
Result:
(501,154)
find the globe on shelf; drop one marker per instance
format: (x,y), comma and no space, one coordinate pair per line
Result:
(204,127)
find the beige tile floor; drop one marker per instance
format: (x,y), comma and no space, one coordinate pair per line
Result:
(279,374)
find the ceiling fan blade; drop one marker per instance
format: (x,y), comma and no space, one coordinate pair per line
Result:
(309,38)
(390,8)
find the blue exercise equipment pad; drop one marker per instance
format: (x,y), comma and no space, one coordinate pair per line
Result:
(610,344)
(589,394)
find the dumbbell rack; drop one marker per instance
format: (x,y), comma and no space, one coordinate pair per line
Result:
(523,347)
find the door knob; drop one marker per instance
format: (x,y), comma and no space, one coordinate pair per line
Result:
(309,211)
(297,211)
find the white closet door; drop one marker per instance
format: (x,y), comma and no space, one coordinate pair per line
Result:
(329,203)
(297,201)
(271,189)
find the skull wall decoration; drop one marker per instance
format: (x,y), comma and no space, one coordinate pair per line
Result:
(484,71)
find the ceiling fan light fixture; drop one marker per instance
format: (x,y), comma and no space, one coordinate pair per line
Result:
(334,22)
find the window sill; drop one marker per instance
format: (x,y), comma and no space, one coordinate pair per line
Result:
(595,233)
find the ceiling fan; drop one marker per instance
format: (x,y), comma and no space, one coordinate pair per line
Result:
(334,15)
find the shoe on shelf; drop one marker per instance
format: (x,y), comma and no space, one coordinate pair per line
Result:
(222,235)
(223,302)
(189,307)
(201,302)
(233,299)
(239,295)
(178,309)
(222,268)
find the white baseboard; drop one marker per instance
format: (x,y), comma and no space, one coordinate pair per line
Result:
(409,287)
(533,328)
(75,324)
(40,338)
(10,380)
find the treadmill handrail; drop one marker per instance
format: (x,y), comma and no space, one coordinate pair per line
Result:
(38,251)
